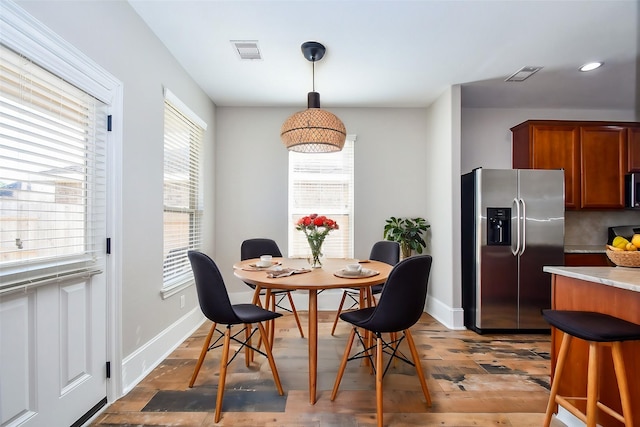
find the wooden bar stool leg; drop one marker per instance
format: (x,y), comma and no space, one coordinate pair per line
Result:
(592,385)
(562,356)
(623,386)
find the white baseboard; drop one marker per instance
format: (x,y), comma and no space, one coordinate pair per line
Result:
(568,419)
(140,363)
(452,318)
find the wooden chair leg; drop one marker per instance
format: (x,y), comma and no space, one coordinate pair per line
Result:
(555,384)
(416,362)
(272,323)
(223,373)
(379,373)
(343,363)
(295,314)
(203,353)
(335,322)
(623,386)
(272,362)
(248,353)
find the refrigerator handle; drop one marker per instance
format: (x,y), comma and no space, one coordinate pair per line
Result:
(524,227)
(516,208)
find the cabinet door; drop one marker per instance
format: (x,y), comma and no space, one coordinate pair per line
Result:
(557,147)
(634,150)
(604,163)
(588,259)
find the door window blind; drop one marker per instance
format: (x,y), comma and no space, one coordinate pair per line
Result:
(52,175)
(322,183)
(183,204)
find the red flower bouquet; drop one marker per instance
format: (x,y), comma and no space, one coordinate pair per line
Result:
(316,227)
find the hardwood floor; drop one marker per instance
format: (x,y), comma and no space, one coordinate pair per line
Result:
(474,380)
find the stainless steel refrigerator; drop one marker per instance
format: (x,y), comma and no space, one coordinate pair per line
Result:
(512,226)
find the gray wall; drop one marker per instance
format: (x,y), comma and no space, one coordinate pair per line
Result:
(252,173)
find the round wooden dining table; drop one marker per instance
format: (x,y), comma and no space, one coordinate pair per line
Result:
(317,279)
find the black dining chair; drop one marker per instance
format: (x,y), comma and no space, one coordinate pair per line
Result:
(384,251)
(399,308)
(216,306)
(254,248)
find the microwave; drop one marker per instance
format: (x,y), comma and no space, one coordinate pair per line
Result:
(632,190)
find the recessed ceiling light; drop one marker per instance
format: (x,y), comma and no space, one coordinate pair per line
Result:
(591,66)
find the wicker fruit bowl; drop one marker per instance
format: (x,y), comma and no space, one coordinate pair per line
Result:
(624,258)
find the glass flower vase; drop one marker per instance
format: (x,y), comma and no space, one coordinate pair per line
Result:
(315,244)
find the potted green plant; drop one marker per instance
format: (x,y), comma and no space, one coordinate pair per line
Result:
(408,232)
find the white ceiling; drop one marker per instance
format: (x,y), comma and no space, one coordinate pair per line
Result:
(395,53)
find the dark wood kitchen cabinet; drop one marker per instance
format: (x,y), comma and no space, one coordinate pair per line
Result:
(594,156)
(603,157)
(634,149)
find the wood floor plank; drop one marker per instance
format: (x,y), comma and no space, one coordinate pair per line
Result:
(474,380)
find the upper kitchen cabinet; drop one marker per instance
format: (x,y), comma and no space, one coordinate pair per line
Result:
(634,149)
(603,156)
(550,145)
(594,155)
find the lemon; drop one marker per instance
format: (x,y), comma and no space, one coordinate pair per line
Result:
(630,247)
(620,242)
(635,240)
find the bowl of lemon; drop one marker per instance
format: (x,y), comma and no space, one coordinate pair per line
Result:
(625,253)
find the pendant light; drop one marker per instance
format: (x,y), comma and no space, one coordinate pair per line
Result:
(313,130)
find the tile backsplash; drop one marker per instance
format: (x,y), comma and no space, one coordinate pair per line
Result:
(591,227)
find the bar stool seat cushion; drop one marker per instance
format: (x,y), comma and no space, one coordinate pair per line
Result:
(591,326)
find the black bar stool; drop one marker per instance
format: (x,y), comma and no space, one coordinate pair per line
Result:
(598,330)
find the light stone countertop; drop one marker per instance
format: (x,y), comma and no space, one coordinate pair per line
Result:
(619,277)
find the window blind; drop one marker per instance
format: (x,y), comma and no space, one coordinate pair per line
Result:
(183,204)
(52,175)
(322,183)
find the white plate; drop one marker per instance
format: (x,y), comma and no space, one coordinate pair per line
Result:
(365,272)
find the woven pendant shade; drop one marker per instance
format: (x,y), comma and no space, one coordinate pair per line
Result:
(313,130)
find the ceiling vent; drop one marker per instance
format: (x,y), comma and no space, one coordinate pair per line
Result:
(247,49)
(523,74)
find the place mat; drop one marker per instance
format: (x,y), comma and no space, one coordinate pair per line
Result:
(276,274)
(254,267)
(365,272)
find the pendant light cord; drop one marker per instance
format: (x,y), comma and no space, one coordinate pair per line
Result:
(313,75)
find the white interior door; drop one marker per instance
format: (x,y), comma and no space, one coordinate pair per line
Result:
(53,352)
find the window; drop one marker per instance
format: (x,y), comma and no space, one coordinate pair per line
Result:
(52,176)
(322,183)
(183,206)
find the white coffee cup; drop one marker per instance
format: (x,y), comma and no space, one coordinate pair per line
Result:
(265,261)
(354,268)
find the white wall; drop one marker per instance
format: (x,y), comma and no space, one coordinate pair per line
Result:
(443,190)
(114,36)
